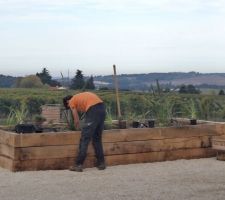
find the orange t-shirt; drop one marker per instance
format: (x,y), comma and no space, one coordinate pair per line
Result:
(83,101)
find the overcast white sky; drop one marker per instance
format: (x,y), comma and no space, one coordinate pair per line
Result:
(139,36)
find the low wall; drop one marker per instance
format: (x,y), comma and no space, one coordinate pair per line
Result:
(43,151)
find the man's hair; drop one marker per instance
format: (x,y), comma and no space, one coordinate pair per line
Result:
(65,99)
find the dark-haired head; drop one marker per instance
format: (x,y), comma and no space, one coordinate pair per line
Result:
(65,101)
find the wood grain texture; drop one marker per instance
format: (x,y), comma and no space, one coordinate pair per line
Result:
(64,163)
(116,148)
(58,150)
(116,135)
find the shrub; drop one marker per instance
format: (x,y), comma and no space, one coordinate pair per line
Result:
(34,105)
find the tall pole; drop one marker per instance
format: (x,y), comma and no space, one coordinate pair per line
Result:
(117,92)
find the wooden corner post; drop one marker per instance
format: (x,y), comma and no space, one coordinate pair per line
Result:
(117,92)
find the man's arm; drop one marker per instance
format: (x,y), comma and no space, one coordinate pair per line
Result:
(76,118)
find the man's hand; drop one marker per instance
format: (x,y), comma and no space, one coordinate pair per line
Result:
(77,124)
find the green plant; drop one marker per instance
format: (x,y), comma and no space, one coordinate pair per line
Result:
(133,104)
(149,115)
(209,107)
(108,120)
(162,105)
(39,119)
(142,117)
(69,119)
(108,115)
(191,109)
(165,113)
(17,115)
(161,108)
(34,104)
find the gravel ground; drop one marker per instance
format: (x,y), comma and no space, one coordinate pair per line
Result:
(176,180)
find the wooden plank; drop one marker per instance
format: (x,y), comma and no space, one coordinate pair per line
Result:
(49,164)
(190,153)
(6,163)
(219,138)
(7,151)
(156,145)
(117,135)
(7,137)
(220,155)
(220,128)
(46,152)
(47,139)
(160,156)
(44,164)
(219,145)
(64,163)
(123,135)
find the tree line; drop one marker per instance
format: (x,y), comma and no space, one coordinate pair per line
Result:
(44,79)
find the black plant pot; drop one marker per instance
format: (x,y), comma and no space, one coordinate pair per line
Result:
(135,124)
(193,121)
(25,128)
(38,129)
(151,123)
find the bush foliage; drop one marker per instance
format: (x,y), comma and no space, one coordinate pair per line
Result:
(133,104)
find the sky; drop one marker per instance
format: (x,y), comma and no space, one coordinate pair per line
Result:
(141,36)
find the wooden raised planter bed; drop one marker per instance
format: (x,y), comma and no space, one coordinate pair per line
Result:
(44,151)
(218,143)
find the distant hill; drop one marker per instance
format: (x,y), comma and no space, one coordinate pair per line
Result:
(145,81)
(170,80)
(7,81)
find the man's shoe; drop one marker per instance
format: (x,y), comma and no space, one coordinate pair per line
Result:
(101,166)
(77,168)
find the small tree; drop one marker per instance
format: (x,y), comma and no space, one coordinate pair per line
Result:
(192,90)
(46,78)
(31,81)
(78,81)
(90,83)
(189,89)
(221,92)
(183,89)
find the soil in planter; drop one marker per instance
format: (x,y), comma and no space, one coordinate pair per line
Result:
(193,121)
(136,124)
(30,128)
